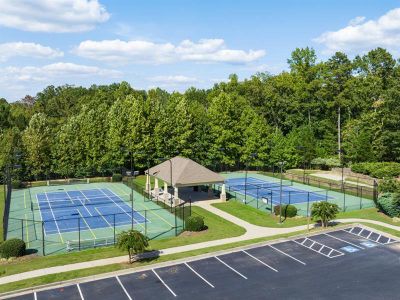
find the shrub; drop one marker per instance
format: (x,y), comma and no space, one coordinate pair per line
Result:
(16,184)
(12,248)
(324,211)
(326,163)
(195,223)
(132,241)
(377,169)
(389,185)
(288,211)
(389,203)
(117,178)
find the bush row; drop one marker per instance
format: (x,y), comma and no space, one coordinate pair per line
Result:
(377,169)
(389,203)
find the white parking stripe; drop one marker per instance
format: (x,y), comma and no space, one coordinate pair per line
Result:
(234,270)
(369,235)
(340,253)
(288,255)
(344,241)
(34,295)
(378,238)
(273,269)
(194,271)
(80,292)
(162,281)
(126,292)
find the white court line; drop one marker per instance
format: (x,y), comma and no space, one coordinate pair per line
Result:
(273,269)
(234,270)
(344,241)
(162,281)
(80,292)
(194,271)
(288,255)
(115,195)
(126,292)
(80,202)
(119,206)
(54,217)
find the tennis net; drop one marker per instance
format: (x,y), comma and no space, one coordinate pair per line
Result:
(253,186)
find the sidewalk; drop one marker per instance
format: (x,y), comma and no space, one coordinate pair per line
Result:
(252,232)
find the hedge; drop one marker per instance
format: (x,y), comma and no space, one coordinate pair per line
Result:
(377,169)
(195,223)
(288,210)
(389,185)
(116,177)
(389,203)
(12,248)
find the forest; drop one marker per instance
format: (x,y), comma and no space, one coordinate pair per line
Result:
(293,116)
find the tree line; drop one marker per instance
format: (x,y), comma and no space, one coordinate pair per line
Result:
(296,116)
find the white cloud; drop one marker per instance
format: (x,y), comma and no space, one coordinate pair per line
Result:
(8,50)
(52,15)
(51,72)
(361,35)
(173,79)
(140,51)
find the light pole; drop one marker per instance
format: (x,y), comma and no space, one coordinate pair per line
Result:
(341,152)
(252,155)
(302,149)
(281,164)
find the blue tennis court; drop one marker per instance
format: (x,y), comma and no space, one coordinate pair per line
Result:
(69,211)
(269,192)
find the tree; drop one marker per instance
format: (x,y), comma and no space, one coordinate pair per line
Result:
(133,242)
(37,143)
(324,211)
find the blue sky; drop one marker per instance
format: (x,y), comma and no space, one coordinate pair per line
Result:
(176,44)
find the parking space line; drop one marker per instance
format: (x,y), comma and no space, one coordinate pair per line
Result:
(333,250)
(351,230)
(359,234)
(80,292)
(273,269)
(330,252)
(288,255)
(390,241)
(322,247)
(194,271)
(369,235)
(344,241)
(35,295)
(162,281)
(234,270)
(126,292)
(378,238)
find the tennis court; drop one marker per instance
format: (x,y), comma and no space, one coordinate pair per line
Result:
(60,209)
(270,191)
(72,217)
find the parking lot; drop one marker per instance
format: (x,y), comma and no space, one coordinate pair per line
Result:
(351,263)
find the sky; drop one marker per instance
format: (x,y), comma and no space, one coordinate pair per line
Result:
(176,44)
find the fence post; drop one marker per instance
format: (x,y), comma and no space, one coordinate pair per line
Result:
(79,234)
(190,206)
(308,206)
(344,198)
(22,229)
(361,197)
(290,196)
(43,251)
(258,189)
(176,228)
(183,217)
(271,203)
(145,222)
(114,227)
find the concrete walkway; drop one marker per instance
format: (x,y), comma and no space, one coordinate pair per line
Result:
(252,232)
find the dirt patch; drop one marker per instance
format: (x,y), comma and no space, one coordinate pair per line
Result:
(11,260)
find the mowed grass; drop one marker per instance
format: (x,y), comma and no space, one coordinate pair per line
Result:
(368,214)
(258,217)
(218,228)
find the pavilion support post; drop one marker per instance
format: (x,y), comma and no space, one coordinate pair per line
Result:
(165,196)
(222,196)
(148,185)
(156,188)
(210,191)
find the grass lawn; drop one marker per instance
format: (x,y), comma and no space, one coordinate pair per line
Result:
(218,228)
(256,216)
(368,214)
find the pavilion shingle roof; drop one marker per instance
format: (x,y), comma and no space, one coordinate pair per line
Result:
(185,172)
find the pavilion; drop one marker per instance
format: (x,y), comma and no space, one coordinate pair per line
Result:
(184,176)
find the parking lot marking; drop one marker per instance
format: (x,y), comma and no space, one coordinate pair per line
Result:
(34,295)
(234,270)
(342,240)
(390,241)
(319,251)
(80,292)
(273,269)
(194,271)
(162,281)
(126,292)
(288,255)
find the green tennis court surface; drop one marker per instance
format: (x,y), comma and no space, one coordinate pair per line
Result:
(55,219)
